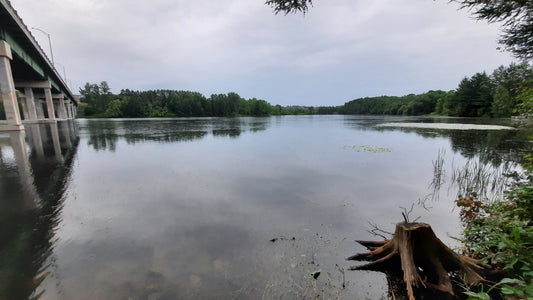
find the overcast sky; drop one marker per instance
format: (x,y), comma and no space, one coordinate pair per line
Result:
(338,51)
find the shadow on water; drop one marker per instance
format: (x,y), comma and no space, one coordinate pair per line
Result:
(35,167)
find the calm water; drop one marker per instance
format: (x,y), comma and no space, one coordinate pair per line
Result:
(221,208)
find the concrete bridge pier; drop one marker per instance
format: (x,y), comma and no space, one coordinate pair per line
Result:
(28,87)
(39,108)
(68,108)
(60,107)
(49,104)
(30,111)
(7,90)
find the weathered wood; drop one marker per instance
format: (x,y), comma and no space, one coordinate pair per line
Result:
(425,261)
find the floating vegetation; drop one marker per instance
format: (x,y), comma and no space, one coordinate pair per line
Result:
(452,126)
(368,148)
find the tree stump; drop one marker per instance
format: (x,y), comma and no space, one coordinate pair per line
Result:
(425,261)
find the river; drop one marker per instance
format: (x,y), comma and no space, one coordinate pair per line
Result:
(225,208)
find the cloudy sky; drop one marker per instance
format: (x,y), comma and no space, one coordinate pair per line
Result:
(340,50)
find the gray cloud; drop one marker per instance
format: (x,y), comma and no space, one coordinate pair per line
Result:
(340,50)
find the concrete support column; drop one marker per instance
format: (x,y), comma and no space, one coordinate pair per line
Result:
(68,113)
(49,104)
(7,90)
(72,114)
(30,104)
(25,112)
(56,107)
(62,109)
(39,109)
(71,110)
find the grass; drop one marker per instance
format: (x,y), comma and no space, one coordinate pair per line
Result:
(501,233)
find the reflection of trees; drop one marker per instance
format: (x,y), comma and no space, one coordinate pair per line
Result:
(168,137)
(256,126)
(230,132)
(234,127)
(103,142)
(494,146)
(27,233)
(104,134)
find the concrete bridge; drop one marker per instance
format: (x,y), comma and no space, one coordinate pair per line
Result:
(28,79)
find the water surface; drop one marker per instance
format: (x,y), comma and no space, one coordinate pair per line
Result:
(221,208)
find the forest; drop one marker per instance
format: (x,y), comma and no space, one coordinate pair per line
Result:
(98,101)
(507,91)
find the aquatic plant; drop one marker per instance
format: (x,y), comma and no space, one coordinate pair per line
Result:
(368,148)
(501,234)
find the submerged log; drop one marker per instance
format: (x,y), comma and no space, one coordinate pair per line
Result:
(425,261)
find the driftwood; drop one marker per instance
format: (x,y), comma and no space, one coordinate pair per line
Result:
(425,261)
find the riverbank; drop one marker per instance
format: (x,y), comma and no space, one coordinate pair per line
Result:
(501,234)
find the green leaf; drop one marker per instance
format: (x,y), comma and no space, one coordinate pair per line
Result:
(501,245)
(480,295)
(507,291)
(529,290)
(511,280)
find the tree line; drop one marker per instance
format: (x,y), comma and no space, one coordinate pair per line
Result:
(98,101)
(507,91)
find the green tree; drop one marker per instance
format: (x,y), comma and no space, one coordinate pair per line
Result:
(97,97)
(513,77)
(259,108)
(473,97)
(502,105)
(525,97)
(133,107)
(114,109)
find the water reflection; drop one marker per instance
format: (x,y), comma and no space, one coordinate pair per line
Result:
(240,208)
(35,168)
(104,134)
(492,146)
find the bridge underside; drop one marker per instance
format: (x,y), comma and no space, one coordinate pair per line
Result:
(29,82)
